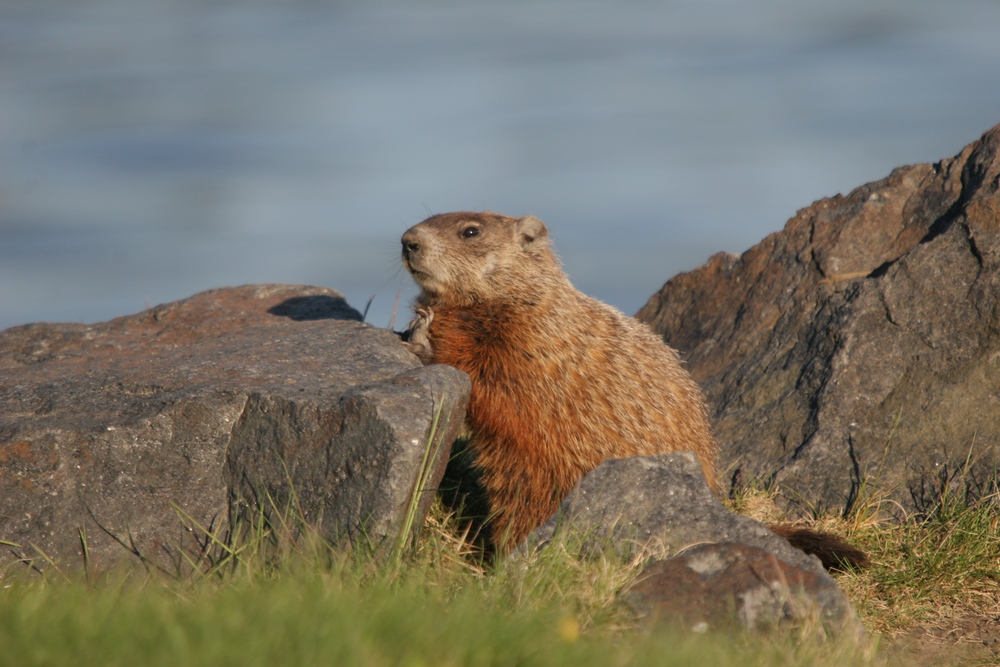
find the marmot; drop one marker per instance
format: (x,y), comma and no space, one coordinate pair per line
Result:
(560,381)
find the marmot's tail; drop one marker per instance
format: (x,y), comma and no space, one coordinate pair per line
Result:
(832,550)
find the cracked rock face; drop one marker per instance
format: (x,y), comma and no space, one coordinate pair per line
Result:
(862,342)
(137,435)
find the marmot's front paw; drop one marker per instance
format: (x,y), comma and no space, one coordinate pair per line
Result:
(418,339)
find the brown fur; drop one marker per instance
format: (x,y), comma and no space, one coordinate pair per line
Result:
(832,550)
(560,382)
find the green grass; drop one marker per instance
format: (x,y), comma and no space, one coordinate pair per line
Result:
(313,620)
(305,604)
(278,600)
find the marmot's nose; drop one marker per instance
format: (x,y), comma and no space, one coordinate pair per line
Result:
(410,244)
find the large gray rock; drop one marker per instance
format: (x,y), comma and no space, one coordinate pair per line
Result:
(143,430)
(861,343)
(661,507)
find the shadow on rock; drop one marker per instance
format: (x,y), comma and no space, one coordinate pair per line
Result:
(315,307)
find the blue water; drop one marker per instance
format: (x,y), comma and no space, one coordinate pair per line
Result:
(151,149)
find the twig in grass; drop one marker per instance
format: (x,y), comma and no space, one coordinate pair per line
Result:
(130,547)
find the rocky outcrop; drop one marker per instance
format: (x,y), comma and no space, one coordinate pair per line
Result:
(714,569)
(139,435)
(858,348)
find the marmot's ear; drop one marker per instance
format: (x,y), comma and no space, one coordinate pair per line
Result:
(530,229)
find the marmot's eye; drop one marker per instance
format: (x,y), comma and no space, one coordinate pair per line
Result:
(469,232)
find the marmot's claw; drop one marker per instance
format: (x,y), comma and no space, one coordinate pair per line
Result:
(418,339)
(424,316)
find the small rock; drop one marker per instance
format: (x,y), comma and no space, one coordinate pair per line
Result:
(726,586)
(661,506)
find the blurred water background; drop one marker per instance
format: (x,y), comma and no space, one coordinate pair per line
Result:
(151,149)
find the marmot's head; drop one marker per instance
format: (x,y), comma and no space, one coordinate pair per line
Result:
(464,258)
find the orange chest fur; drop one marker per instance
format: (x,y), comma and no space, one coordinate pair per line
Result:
(479,342)
(511,375)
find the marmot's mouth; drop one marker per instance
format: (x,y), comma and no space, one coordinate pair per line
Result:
(422,278)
